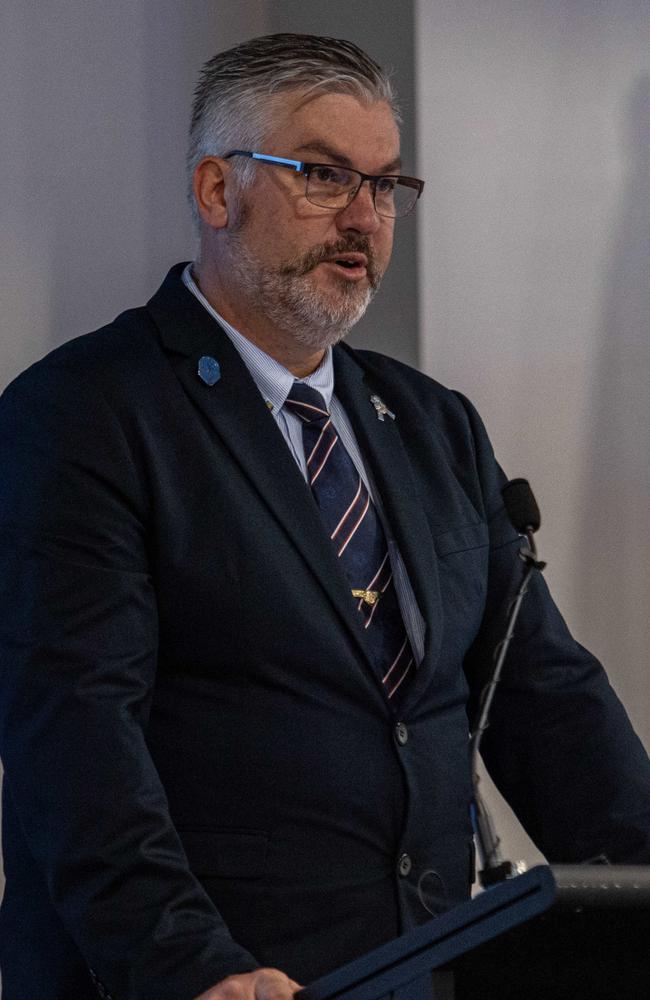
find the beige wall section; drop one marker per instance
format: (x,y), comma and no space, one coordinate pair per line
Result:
(534,139)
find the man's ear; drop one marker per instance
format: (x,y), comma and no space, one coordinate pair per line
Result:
(209,189)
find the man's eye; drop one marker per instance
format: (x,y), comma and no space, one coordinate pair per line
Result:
(330,175)
(386,185)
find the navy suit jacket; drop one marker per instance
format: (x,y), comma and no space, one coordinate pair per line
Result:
(201,772)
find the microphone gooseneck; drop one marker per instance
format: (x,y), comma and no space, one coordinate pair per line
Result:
(523,512)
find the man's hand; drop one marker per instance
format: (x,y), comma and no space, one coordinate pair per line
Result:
(263,984)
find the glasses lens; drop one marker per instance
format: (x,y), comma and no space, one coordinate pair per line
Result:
(393,198)
(333,187)
(330,187)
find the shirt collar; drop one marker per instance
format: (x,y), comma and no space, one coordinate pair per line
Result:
(272,379)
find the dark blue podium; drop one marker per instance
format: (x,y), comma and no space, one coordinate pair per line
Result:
(592,944)
(561,933)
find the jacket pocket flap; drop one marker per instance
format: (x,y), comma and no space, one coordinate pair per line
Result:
(471,536)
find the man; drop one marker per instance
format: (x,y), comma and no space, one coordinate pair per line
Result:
(236,755)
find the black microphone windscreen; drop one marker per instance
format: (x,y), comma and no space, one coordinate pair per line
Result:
(521,505)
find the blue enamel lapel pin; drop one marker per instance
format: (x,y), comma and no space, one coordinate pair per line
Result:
(209,370)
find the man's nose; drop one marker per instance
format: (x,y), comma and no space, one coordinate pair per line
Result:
(360,213)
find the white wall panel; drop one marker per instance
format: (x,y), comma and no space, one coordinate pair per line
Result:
(534,139)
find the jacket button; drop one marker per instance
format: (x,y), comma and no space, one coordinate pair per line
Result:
(404,865)
(401,734)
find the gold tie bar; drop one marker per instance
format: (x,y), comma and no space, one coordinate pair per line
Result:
(369,596)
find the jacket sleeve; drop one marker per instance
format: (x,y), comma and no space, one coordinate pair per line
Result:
(560,746)
(78,646)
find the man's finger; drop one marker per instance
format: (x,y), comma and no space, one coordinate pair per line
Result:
(263,984)
(271,984)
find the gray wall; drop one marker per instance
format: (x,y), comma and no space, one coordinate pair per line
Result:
(94,115)
(534,138)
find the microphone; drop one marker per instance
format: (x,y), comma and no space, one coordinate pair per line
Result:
(523,513)
(521,506)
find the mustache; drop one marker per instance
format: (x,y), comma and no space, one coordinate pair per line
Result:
(325,251)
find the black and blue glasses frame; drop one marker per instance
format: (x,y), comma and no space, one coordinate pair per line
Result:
(300,167)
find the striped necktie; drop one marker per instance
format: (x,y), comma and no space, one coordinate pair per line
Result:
(352,523)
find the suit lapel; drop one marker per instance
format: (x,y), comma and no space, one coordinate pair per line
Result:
(235,409)
(384,454)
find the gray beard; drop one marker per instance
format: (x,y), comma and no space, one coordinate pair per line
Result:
(287,297)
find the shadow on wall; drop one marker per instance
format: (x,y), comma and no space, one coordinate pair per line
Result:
(613,564)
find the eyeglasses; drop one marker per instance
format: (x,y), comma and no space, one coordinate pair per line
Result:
(329,186)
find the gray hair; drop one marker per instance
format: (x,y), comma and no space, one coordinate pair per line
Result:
(234,97)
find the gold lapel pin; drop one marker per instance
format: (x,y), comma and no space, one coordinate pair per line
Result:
(368,596)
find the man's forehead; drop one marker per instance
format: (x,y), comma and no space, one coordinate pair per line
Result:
(332,153)
(339,128)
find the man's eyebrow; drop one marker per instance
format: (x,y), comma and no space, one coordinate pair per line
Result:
(323,149)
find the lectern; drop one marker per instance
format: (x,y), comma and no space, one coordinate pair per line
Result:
(562,933)
(593,943)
